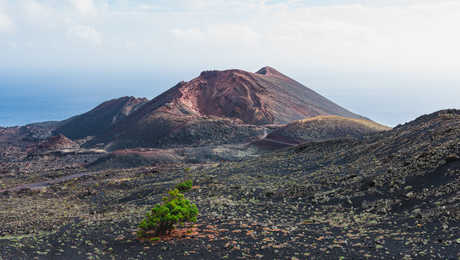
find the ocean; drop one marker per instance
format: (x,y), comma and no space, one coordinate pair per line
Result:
(27,97)
(22,110)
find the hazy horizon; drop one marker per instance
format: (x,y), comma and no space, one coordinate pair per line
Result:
(390,62)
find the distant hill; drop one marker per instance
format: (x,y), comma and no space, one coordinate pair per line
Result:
(54,143)
(321,128)
(101,118)
(25,135)
(219,107)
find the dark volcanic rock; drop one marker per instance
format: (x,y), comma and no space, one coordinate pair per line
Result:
(388,195)
(58,142)
(35,132)
(38,131)
(320,128)
(54,143)
(101,118)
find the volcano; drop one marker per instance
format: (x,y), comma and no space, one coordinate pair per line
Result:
(219,107)
(264,97)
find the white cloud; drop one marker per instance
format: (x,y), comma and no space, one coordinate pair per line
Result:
(234,34)
(87,34)
(218,35)
(401,35)
(86,7)
(35,9)
(6,24)
(191,34)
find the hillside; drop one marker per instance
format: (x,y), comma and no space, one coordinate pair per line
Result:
(320,128)
(100,119)
(30,133)
(391,195)
(264,97)
(8,133)
(219,107)
(54,143)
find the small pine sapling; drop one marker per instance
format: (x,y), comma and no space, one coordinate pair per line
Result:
(163,218)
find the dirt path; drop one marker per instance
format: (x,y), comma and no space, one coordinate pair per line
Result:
(39,185)
(278,142)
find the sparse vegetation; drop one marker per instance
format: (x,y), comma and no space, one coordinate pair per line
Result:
(163,218)
(390,196)
(185,186)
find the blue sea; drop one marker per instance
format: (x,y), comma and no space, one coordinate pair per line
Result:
(22,110)
(48,95)
(27,97)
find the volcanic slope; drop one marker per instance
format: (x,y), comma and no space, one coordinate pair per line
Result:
(320,128)
(390,195)
(58,142)
(220,107)
(100,119)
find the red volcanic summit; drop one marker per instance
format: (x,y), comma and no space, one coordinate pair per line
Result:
(269,71)
(264,97)
(219,107)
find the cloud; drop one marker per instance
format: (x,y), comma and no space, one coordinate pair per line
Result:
(34,8)
(6,24)
(86,7)
(218,35)
(190,34)
(398,35)
(86,34)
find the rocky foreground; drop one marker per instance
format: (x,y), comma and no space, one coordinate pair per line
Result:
(391,195)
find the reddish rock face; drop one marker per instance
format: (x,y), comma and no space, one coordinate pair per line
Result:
(58,142)
(230,94)
(264,97)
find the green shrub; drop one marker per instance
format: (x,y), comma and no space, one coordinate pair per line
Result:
(185,186)
(174,209)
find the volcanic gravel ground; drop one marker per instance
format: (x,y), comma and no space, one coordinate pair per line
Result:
(393,195)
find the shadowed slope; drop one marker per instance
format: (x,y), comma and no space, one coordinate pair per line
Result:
(101,118)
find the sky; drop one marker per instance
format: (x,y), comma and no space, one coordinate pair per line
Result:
(389,60)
